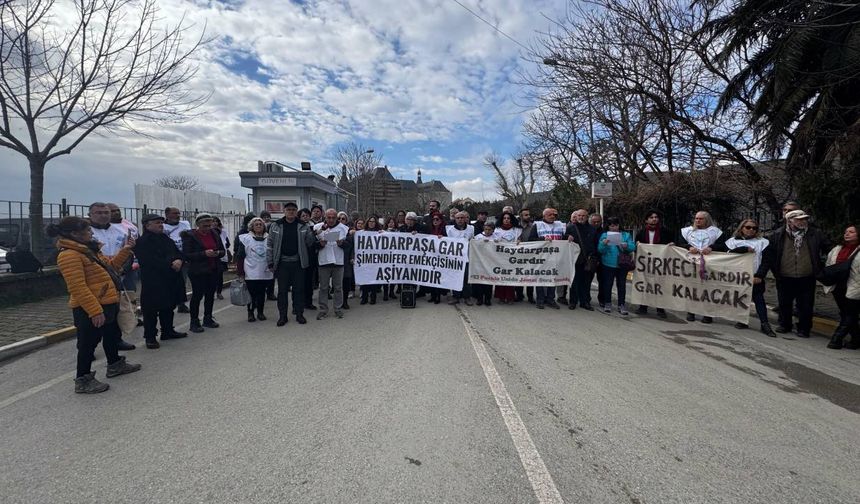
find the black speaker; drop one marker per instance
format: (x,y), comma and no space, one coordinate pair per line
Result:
(407,296)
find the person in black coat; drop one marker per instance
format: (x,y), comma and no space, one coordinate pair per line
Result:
(203,249)
(160,270)
(582,233)
(654,233)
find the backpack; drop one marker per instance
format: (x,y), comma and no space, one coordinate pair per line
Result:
(23,261)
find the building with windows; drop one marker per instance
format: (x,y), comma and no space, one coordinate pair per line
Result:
(380,193)
(274,184)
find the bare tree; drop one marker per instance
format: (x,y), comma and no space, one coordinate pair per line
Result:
(72,69)
(355,165)
(517,182)
(181,182)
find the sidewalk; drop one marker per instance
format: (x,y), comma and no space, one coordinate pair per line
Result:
(18,323)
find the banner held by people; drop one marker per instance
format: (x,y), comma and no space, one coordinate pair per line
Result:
(532,264)
(674,279)
(401,258)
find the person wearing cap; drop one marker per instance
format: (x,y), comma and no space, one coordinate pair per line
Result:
(288,257)
(160,267)
(794,256)
(203,249)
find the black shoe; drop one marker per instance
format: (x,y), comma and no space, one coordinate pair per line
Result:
(152,344)
(691,317)
(532,300)
(363,301)
(301,319)
(479,302)
(251,317)
(554,305)
(282,320)
(562,300)
(661,313)
(539,306)
(182,308)
(172,335)
(272,298)
(124,346)
(310,307)
(835,344)
(587,307)
(345,305)
(211,324)
(854,344)
(739,325)
(766,330)
(139,322)
(803,334)
(385,297)
(260,316)
(372,300)
(196,329)
(707,320)
(642,310)
(219,296)
(571,306)
(783,330)
(488,303)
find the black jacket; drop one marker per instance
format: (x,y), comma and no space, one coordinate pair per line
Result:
(815,241)
(666,236)
(155,253)
(195,253)
(583,235)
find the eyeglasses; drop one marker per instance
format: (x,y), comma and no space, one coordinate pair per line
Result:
(751,227)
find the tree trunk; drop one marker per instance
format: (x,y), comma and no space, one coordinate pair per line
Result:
(37,188)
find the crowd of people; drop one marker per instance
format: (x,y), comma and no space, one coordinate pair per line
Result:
(310,249)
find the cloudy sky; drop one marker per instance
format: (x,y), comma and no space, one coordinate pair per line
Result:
(423,82)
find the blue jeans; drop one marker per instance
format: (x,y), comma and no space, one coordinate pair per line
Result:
(620,278)
(758,300)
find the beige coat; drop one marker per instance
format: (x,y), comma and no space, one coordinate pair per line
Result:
(853,291)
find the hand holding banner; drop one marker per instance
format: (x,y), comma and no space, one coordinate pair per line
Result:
(716,285)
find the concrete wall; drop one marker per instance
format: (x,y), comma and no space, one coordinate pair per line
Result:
(27,287)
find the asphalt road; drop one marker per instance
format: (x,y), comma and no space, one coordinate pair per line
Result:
(391,405)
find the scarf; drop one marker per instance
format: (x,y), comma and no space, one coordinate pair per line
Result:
(797,235)
(845,252)
(656,229)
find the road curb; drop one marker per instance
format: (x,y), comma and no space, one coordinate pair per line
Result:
(28,345)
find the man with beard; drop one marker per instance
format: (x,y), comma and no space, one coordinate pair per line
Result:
(160,266)
(432,208)
(526,224)
(794,256)
(112,238)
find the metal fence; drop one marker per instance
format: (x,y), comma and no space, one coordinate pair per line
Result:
(15,222)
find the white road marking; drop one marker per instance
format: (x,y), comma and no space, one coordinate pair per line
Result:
(68,376)
(539,476)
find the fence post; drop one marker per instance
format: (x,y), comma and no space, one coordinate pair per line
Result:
(144,210)
(64,208)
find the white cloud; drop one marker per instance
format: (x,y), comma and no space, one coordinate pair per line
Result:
(477,188)
(389,71)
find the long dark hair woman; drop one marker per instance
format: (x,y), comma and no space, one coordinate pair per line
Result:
(847,293)
(94,290)
(371,224)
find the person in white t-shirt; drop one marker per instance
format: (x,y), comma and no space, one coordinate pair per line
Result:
(331,239)
(112,237)
(173,228)
(484,292)
(251,265)
(462,229)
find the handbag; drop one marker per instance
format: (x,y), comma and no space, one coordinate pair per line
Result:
(239,294)
(591,261)
(625,261)
(836,273)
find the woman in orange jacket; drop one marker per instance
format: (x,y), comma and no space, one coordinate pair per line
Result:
(92,282)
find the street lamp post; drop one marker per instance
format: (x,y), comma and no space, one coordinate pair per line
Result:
(357,176)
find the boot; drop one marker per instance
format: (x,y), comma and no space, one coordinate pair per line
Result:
(838,336)
(152,343)
(121,367)
(251,317)
(195,326)
(767,330)
(372,297)
(124,346)
(260,315)
(363,297)
(87,384)
(345,304)
(210,323)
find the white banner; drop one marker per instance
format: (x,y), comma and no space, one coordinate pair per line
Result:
(672,278)
(531,264)
(392,258)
